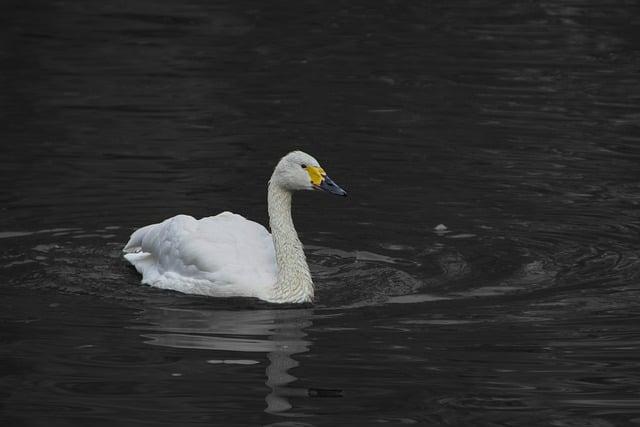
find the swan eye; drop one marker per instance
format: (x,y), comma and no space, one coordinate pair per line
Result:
(303,166)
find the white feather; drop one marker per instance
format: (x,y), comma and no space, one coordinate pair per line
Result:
(223,255)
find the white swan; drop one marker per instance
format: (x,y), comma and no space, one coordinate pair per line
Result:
(227,255)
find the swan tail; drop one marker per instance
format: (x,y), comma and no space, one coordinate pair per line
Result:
(144,264)
(135,241)
(143,261)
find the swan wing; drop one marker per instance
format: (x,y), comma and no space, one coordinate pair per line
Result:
(222,255)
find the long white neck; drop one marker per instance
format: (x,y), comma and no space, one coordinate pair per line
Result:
(294,282)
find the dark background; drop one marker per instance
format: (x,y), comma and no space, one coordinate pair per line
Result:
(513,123)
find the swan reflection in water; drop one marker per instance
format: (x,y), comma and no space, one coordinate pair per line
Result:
(279,333)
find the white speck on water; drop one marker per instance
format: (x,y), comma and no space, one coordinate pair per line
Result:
(176,374)
(462,236)
(82,347)
(441,229)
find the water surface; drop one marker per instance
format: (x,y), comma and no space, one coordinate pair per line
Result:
(483,270)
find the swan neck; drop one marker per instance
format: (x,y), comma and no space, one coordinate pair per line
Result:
(293,282)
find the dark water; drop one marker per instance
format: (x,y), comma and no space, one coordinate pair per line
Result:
(514,124)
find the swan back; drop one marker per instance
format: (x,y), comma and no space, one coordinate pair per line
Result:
(222,255)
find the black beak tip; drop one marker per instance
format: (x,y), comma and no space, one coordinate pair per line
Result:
(331,187)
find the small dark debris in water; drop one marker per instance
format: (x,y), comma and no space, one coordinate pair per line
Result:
(325,392)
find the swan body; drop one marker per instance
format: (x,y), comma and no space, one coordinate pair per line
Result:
(227,255)
(222,255)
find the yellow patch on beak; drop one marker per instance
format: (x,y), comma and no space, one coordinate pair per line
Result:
(316,174)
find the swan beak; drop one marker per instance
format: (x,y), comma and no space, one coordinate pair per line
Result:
(321,181)
(331,187)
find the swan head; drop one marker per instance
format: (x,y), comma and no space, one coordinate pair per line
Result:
(300,171)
